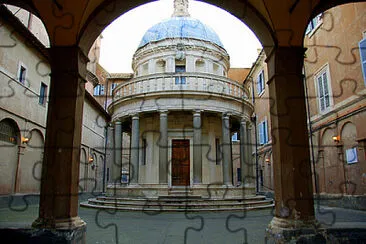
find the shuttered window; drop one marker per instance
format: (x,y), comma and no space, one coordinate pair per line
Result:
(263,132)
(324,97)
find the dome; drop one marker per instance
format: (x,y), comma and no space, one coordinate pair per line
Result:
(180,27)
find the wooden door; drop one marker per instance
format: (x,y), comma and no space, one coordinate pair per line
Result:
(180,162)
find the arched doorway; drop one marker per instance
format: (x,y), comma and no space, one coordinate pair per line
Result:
(9,143)
(31,163)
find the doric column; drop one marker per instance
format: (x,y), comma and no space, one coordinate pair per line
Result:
(163,148)
(135,137)
(117,164)
(291,155)
(197,149)
(110,151)
(251,176)
(243,151)
(227,168)
(58,207)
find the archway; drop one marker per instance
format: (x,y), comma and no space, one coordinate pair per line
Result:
(9,143)
(31,163)
(284,27)
(83,172)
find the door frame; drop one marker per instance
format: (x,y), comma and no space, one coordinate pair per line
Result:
(170,143)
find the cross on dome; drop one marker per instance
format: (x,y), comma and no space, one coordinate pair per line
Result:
(181,8)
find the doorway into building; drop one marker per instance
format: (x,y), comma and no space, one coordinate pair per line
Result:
(180,163)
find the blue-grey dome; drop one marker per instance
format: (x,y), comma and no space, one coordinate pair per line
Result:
(180,27)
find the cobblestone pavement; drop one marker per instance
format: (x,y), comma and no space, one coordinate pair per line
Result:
(216,227)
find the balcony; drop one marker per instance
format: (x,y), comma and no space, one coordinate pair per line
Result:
(181,83)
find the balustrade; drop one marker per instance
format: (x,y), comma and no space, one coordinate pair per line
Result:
(182,82)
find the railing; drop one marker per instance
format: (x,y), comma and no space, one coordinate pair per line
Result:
(181,82)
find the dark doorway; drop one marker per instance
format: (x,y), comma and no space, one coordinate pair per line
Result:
(180,163)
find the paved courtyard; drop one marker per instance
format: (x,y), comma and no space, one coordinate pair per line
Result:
(207,227)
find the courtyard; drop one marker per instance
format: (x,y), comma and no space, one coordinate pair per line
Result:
(205,227)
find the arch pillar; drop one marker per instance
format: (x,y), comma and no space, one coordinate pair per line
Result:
(58,207)
(290,142)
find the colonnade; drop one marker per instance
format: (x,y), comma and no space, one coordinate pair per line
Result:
(246,164)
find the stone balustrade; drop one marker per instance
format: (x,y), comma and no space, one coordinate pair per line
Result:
(182,83)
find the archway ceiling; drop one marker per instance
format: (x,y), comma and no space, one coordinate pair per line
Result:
(280,22)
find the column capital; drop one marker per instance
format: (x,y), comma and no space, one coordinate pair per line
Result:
(226,115)
(243,120)
(163,112)
(117,122)
(197,112)
(135,116)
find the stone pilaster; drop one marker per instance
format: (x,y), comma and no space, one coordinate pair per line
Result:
(163,148)
(117,164)
(197,149)
(58,207)
(135,138)
(227,167)
(291,155)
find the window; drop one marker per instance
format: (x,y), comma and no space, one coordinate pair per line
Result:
(114,85)
(263,132)
(200,65)
(218,151)
(160,66)
(99,90)
(8,132)
(314,24)
(260,82)
(22,74)
(43,94)
(180,79)
(362,46)
(324,98)
(235,137)
(351,155)
(144,149)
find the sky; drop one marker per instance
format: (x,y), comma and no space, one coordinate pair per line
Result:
(122,37)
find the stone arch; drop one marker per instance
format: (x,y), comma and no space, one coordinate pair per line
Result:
(92,173)
(99,175)
(83,172)
(348,135)
(100,18)
(9,142)
(31,163)
(351,159)
(331,173)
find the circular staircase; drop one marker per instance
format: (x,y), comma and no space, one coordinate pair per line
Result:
(179,203)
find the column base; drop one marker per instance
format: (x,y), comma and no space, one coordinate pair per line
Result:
(282,230)
(59,224)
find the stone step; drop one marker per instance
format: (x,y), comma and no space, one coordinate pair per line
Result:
(163,209)
(135,204)
(180,205)
(181,199)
